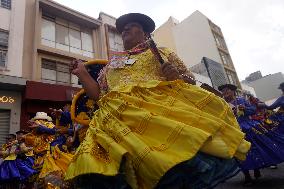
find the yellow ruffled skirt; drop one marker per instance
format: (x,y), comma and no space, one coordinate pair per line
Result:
(57,162)
(156,126)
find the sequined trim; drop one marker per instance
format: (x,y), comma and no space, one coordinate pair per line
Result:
(202,103)
(95,150)
(115,132)
(169,103)
(143,125)
(137,161)
(225,112)
(170,139)
(106,118)
(139,104)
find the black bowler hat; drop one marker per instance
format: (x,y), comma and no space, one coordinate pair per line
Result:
(145,21)
(229,86)
(21,131)
(281,86)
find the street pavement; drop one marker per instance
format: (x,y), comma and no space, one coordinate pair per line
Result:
(271,179)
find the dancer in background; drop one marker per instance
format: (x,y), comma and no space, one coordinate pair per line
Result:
(63,127)
(267,149)
(279,103)
(25,158)
(14,170)
(46,140)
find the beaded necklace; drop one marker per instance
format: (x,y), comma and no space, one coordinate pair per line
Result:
(141,47)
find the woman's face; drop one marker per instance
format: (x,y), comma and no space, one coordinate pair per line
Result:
(20,136)
(228,94)
(67,107)
(10,139)
(132,35)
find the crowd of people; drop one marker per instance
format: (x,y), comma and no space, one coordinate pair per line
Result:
(142,123)
(263,128)
(40,155)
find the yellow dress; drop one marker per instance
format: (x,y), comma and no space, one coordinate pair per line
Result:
(155,124)
(47,159)
(55,162)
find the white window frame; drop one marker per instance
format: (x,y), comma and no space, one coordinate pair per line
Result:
(69,48)
(57,71)
(4,49)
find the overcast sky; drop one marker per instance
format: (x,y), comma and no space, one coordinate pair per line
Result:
(253,29)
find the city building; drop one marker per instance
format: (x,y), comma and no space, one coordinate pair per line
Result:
(212,70)
(254,76)
(38,40)
(194,38)
(12,83)
(266,88)
(54,36)
(112,38)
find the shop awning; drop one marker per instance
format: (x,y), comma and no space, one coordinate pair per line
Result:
(49,92)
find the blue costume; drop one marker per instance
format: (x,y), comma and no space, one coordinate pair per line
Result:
(14,167)
(279,115)
(60,139)
(267,148)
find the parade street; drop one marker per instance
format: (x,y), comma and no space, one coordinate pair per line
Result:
(271,178)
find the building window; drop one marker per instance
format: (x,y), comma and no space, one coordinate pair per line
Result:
(225,58)
(5,4)
(48,33)
(214,27)
(66,36)
(56,73)
(4,36)
(231,77)
(217,41)
(220,41)
(3,57)
(115,41)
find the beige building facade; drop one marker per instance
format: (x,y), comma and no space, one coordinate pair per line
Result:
(112,38)
(54,36)
(194,38)
(38,40)
(11,52)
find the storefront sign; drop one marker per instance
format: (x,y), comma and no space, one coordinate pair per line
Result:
(7,99)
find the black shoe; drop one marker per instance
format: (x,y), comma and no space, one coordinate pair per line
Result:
(257,174)
(248,180)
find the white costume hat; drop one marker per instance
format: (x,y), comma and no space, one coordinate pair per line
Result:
(42,115)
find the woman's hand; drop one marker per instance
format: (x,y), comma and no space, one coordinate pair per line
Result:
(170,71)
(89,84)
(241,107)
(261,105)
(32,124)
(56,113)
(78,68)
